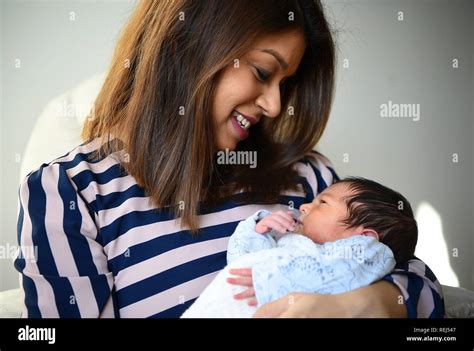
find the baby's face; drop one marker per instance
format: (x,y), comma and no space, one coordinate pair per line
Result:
(321,218)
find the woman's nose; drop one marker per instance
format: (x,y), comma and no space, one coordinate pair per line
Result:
(270,101)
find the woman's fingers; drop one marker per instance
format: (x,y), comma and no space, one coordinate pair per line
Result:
(273,309)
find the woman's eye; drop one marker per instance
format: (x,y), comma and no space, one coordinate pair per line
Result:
(262,75)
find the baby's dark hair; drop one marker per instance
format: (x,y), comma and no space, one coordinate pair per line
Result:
(384,210)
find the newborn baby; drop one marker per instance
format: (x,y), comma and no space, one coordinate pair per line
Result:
(351,235)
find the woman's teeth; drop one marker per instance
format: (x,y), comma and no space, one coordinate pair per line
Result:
(245,124)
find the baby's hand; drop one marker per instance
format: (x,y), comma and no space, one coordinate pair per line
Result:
(281,221)
(244,278)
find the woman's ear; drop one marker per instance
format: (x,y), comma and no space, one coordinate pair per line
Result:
(370,232)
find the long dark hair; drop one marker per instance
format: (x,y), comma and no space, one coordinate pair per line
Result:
(168,59)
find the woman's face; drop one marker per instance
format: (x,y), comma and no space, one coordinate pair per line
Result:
(252,87)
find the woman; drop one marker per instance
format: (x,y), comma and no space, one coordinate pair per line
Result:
(135,221)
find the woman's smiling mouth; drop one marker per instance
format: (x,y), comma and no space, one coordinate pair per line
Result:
(242,123)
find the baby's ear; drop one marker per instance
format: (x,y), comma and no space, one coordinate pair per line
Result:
(370,232)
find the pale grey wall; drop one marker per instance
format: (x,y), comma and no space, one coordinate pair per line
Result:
(405,62)
(410,61)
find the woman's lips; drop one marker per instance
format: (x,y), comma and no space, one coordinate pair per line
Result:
(241,132)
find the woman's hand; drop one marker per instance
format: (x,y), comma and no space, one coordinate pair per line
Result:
(281,221)
(381,299)
(303,305)
(244,278)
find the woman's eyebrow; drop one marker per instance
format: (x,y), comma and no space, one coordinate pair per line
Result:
(278,57)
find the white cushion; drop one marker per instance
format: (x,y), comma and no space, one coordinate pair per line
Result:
(58,128)
(458,302)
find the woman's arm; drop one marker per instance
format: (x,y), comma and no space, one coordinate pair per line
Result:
(381,299)
(68,275)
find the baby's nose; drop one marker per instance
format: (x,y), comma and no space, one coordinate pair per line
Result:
(304,208)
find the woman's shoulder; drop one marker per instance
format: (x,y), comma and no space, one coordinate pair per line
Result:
(79,167)
(316,159)
(317,172)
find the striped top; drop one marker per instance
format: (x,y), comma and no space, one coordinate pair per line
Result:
(102,249)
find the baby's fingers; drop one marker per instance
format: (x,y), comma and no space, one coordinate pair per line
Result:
(248,293)
(280,224)
(245,281)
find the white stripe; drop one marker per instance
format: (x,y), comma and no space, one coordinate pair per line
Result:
(310,176)
(95,167)
(81,149)
(108,310)
(401,281)
(115,185)
(53,221)
(24,310)
(322,158)
(26,238)
(168,298)
(45,292)
(299,192)
(168,260)
(84,295)
(425,302)
(138,235)
(57,238)
(325,172)
(130,205)
(419,267)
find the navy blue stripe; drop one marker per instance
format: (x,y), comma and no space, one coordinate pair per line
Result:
(403,266)
(170,278)
(307,189)
(131,220)
(174,312)
(438,311)
(88,157)
(101,290)
(84,178)
(19,225)
(64,297)
(72,219)
(321,183)
(20,260)
(429,274)
(414,286)
(157,246)
(45,261)
(78,244)
(31,298)
(335,177)
(128,221)
(115,199)
(37,213)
